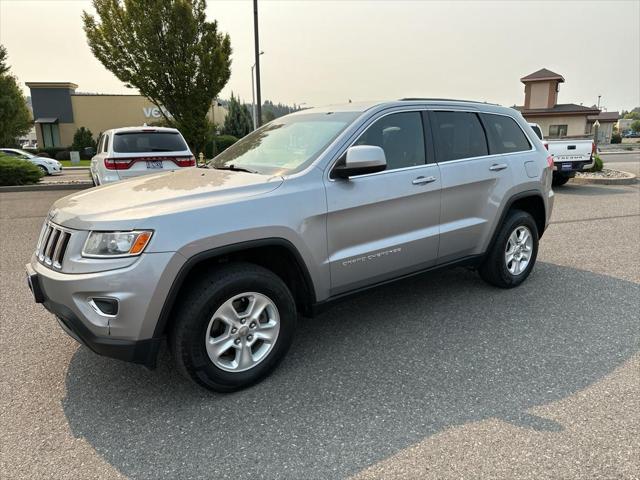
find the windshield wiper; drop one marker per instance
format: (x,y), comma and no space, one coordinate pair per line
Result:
(233,168)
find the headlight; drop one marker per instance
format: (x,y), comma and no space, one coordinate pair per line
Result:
(116,244)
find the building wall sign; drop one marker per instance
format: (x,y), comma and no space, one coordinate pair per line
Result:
(155,112)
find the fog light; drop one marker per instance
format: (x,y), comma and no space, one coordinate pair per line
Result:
(105,306)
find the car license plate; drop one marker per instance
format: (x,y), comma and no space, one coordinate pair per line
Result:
(566,166)
(154,163)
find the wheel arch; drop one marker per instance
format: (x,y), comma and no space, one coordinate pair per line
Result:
(276,254)
(530,201)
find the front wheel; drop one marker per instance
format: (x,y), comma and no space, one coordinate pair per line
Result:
(513,254)
(44,170)
(233,327)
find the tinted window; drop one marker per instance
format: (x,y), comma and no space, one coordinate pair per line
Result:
(537,131)
(401,136)
(459,135)
(505,136)
(142,142)
(105,143)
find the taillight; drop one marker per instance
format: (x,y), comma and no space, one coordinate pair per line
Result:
(118,163)
(185,161)
(546,145)
(550,161)
(593,147)
(126,163)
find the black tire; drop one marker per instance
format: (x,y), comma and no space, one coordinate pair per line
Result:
(494,269)
(204,297)
(45,172)
(559,180)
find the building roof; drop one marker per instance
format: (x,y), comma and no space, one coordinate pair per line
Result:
(560,109)
(605,117)
(542,74)
(67,85)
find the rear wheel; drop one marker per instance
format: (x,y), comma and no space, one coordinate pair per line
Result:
(513,253)
(559,180)
(233,327)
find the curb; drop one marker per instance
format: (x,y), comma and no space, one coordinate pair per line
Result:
(630,180)
(75,168)
(616,152)
(46,187)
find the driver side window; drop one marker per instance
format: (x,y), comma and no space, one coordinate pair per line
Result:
(401,136)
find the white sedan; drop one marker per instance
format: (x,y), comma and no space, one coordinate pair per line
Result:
(48,166)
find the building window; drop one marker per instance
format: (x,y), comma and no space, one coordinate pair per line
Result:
(50,135)
(557,131)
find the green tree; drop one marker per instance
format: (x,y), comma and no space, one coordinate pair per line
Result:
(4,68)
(238,121)
(83,138)
(633,114)
(635,126)
(168,51)
(15,119)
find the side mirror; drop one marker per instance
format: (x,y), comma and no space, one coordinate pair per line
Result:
(360,160)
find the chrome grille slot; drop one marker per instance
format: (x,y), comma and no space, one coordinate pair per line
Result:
(53,245)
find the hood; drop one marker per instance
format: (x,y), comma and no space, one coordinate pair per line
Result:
(124,202)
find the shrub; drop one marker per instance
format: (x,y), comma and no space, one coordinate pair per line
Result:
(222,143)
(597,164)
(616,138)
(14,171)
(81,139)
(63,155)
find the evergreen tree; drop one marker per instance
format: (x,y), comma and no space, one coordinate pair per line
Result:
(238,121)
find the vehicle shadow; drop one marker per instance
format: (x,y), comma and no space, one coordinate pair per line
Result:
(368,378)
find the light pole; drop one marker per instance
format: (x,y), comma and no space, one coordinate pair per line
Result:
(596,125)
(253,97)
(258,116)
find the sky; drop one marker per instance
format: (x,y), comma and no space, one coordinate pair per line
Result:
(321,52)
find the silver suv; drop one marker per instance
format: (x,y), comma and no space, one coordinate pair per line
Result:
(305,210)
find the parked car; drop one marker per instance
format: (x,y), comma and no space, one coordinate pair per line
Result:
(47,165)
(569,156)
(632,135)
(133,151)
(302,212)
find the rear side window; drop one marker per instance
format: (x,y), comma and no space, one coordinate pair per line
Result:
(505,136)
(143,142)
(459,135)
(537,131)
(105,143)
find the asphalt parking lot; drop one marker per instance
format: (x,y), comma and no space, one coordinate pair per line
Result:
(437,377)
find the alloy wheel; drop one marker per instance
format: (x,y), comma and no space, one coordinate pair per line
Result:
(242,332)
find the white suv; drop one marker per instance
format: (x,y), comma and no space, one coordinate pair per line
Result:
(133,151)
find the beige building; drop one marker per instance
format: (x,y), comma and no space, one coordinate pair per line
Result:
(58,111)
(557,120)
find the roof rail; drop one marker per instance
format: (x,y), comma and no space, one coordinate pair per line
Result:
(446,100)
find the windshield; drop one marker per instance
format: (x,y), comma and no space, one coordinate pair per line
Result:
(286,145)
(143,142)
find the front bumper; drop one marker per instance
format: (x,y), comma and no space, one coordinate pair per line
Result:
(138,289)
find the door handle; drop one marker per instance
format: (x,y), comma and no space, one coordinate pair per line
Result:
(423,180)
(498,166)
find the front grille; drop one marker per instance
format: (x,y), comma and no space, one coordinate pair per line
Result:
(52,245)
